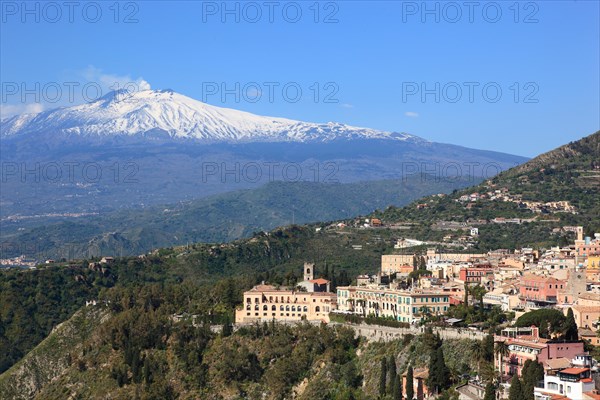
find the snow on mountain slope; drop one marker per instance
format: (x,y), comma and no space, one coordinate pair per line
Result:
(180,117)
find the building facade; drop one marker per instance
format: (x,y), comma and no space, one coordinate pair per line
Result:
(266,302)
(525,344)
(402,305)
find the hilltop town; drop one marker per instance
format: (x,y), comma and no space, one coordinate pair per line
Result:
(467,293)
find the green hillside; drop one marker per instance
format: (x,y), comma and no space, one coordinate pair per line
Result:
(131,347)
(570,174)
(220,218)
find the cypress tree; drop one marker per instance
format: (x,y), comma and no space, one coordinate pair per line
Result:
(570,327)
(227,328)
(397,388)
(439,374)
(383,377)
(442,370)
(490,392)
(391,374)
(516,391)
(147,374)
(488,348)
(410,390)
(532,373)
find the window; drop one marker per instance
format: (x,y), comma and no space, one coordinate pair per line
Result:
(273,308)
(281,308)
(318,309)
(265,308)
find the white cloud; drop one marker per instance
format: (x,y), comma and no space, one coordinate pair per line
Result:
(110,82)
(411,114)
(72,91)
(9,110)
(346,105)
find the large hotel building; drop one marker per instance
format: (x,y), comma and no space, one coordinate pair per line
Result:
(310,301)
(402,305)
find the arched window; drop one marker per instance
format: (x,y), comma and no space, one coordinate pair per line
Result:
(293,308)
(256,307)
(280,308)
(287,308)
(317,309)
(273,308)
(248,307)
(265,308)
(305,309)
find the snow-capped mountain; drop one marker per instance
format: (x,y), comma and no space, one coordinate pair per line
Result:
(171,114)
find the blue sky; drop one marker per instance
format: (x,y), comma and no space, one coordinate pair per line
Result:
(370,61)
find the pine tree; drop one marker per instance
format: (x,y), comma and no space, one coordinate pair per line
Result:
(383,377)
(516,391)
(490,392)
(570,327)
(410,391)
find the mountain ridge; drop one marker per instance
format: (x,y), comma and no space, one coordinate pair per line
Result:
(165,113)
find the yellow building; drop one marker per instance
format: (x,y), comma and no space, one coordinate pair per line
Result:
(585,316)
(266,302)
(592,271)
(392,263)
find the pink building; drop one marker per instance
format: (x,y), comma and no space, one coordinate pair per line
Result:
(539,288)
(525,344)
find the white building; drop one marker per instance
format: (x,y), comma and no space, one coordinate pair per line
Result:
(575,382)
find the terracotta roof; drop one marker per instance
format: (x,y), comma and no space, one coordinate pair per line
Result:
(586,308)
(593,395)
(525,343)
(573,371)
(557,363)
(422,373)
(553,396)
(319,281)
(539,278)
